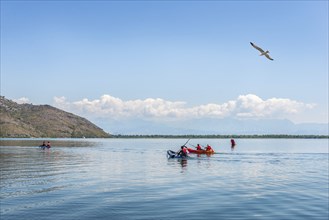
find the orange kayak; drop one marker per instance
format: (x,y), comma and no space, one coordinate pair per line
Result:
(200,151)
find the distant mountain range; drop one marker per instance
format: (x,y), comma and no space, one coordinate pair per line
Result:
(212,126)
(27,120)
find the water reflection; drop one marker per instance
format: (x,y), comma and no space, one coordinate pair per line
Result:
(31,171)
(179,163)
(128,177)
(55,142)
(204,155)
(183,162)
(204,159)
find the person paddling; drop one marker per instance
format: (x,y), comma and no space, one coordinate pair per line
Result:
(183,151)
(48,145)
(208,148)
(43,146)
(198,147)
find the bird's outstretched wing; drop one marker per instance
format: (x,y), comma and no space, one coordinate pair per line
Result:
(268,57)
(256,47)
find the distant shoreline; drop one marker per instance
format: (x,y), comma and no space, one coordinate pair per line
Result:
(225,136)
(136,136)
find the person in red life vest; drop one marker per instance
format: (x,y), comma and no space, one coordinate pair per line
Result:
(48,145)
(208,148)
(198,147)
(183,152)
(233,143)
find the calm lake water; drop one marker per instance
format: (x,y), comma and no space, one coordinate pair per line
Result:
(133,179)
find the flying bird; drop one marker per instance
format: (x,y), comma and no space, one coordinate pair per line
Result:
(262,52)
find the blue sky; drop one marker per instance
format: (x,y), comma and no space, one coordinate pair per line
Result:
(167,59)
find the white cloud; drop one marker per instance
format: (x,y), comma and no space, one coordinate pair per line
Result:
(245,106)
(253,106)
(22,100)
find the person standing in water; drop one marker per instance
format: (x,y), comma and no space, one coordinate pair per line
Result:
(232,144)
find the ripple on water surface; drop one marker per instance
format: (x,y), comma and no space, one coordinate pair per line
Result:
(133,179)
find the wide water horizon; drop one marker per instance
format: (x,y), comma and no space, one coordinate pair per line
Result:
(133,179)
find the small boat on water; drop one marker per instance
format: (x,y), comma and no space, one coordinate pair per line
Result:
(193,151)
(173,154)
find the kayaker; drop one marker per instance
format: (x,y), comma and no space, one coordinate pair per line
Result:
(208,148)
(43,146)
(48,145)
(198,147)
(183,151)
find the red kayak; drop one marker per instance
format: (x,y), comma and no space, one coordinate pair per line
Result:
(200,151)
